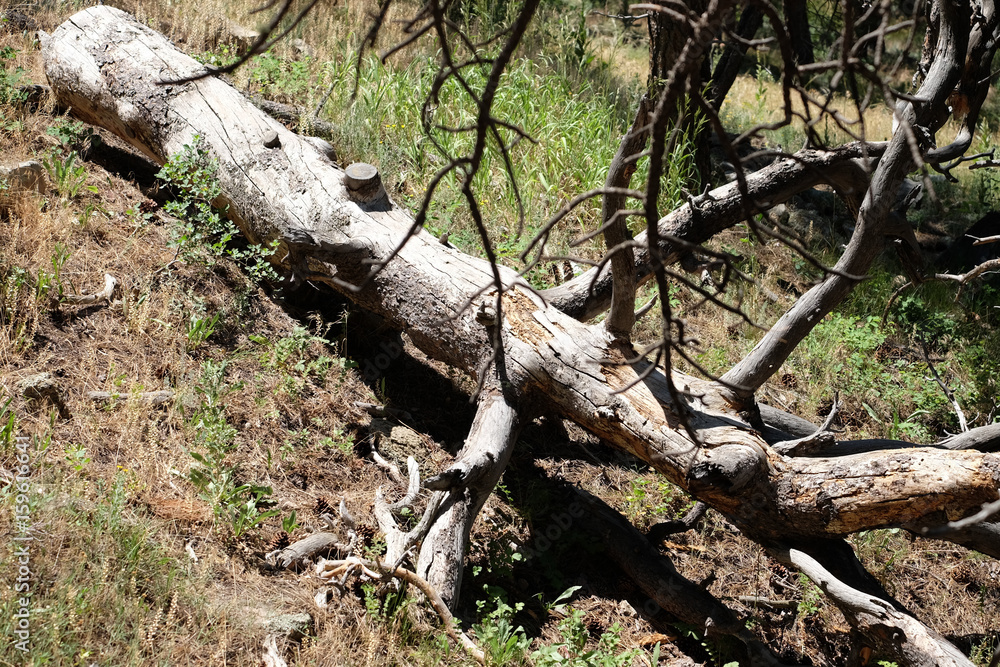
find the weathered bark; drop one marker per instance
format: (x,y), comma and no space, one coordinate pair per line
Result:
(307,547)
(984,439)
(617,237)
(278,186)
(469,482)
(154,398)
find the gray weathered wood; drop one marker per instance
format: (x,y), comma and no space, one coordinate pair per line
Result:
(469,482)
(307,547)
(893,632)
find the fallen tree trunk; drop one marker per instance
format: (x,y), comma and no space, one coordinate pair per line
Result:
(337,229)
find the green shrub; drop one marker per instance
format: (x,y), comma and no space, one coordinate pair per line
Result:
(202,232)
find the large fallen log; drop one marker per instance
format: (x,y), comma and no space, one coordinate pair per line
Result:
(337,229)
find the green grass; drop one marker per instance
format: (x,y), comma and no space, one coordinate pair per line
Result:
(96,593)
(575,117)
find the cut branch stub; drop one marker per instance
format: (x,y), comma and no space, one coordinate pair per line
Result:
(363,183)
(271,139)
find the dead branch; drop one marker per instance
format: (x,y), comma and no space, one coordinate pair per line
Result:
(949,394)
(305,549)
(328,570)
(984,439)
(153,398)
(110,282)
(400,543)
(589,294)
(822,439)
(897,634)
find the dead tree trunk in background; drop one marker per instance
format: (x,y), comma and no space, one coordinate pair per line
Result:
(667,37)
(799,31)
(334,230)
(724,74)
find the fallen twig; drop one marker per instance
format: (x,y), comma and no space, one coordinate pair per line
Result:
(756,601)
(964,425)
(150,397)
(383,411)
(110,282)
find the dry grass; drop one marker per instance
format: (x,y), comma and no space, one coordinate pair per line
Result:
(759,100)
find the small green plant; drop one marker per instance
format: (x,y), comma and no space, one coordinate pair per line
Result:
(10,80)
(88,212)
(76,456)
(289,523)
(272,76)
(762,76)
(937,327)
(649,500)
(376,549)
(226,55)
(559,604)
(339,440)
(385,608)
(502,641)
(49,286)
(199,329)
(240,505)
(202,233)
(74,135)
(18,298)
(812,597)
(138,217)
(8,424)
(571,649)
(714,649)
(293,354)
(66,175)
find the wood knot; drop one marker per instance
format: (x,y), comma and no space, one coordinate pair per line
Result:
(364,184)
(271,139)
(486,315)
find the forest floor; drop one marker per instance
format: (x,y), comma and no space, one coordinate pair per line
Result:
(145,554)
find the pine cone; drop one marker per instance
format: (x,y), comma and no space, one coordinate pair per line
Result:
(280,541)
(323,506)
(366,533)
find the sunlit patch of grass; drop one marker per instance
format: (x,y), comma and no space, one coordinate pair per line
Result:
(758,99)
